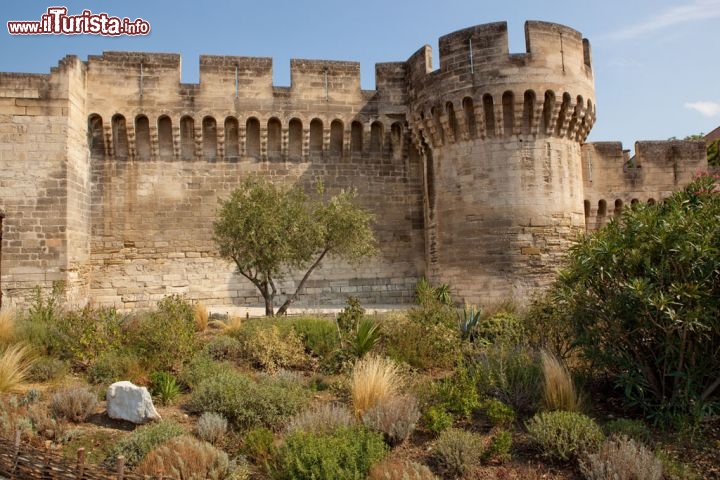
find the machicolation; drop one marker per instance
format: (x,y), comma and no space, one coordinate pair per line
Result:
(478,172)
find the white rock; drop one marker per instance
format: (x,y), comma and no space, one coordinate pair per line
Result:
(127,401)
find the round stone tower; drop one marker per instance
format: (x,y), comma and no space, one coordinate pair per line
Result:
(500,137)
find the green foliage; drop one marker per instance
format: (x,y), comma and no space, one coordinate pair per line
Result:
(270,348)
(248,403)
(426,337)
(713,156)
(645,296)
(200,367)
(426,294)
(501,328)
(143,440)
(259,446)
(164,387)
(499,447)
(346,454)
(437,419)
(564,435)
(458,450)
(266,230)
(497,412)
(510,374)
(348,319)
(548,323)
(367,335)
(223,347)
(319,335)
(635,429)
(457,394)
(468,319)
(165,337)
(114,365)
(47,369)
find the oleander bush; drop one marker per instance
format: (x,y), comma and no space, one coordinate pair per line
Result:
(564,435)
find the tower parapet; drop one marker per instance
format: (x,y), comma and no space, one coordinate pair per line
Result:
(500,135)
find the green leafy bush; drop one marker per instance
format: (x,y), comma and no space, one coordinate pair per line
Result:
(622,458)
(346,454)
(499,447)
(458,450)
(437,419)
(564,435)
(319,335)
(201,367)
(635,429)
(248,403)
(501,328)
(47,369)
(645,296)
(458,393)
(223,347)
(259,446)
(497,412)
(366,336)
(143,440)
(271,348)
(164,387)
(510,374)
(74,404)
(425,338)
(115,365)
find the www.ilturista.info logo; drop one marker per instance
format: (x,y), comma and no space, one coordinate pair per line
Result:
(57,22)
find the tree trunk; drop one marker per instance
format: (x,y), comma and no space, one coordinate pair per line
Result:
(284,307)
(268,295)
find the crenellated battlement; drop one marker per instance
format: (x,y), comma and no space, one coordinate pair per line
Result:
(476,171)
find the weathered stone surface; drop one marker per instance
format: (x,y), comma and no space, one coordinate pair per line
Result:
(477,171)
(127,401)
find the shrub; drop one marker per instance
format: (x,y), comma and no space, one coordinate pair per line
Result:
(87,333)
(319,335)
(164,387)
(548,323)
(43,423)
(211,427)
(645,296)
(458,394)
(395,417)
(635,429)
(201,367)
(271,349)
(373,380)
(425,338)
(15,363)
(165,337)
(74,404)
(395,469)
(322,418)
(437,419)
(348,319)
(458,450)
(501,328)
(497,412)
(468,319)
(201,316)
(115,365)
(247,403)
(558,388)
(499,447)
(223,347)
(510,374)
(347,453)
(47,369)
(564,435)
(367,335)
(622,458)
(259,446)
(186,457)
(143,440)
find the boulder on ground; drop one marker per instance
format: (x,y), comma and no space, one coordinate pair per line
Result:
(127,401)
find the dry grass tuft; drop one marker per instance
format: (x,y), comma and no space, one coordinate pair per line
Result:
(201,316)
(7,325)
(559,391)
(185,457)
(15,363)
(374,379)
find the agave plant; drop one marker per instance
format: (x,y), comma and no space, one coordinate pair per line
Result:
(468,319)
(367,335)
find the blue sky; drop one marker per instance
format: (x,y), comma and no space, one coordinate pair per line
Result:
(656,62)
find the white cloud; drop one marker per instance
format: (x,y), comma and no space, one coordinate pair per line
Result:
(696,10)
(709,109)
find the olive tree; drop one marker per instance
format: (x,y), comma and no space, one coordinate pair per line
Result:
(269,231)
(644,293)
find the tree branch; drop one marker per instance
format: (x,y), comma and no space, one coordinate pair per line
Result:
(284,307)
